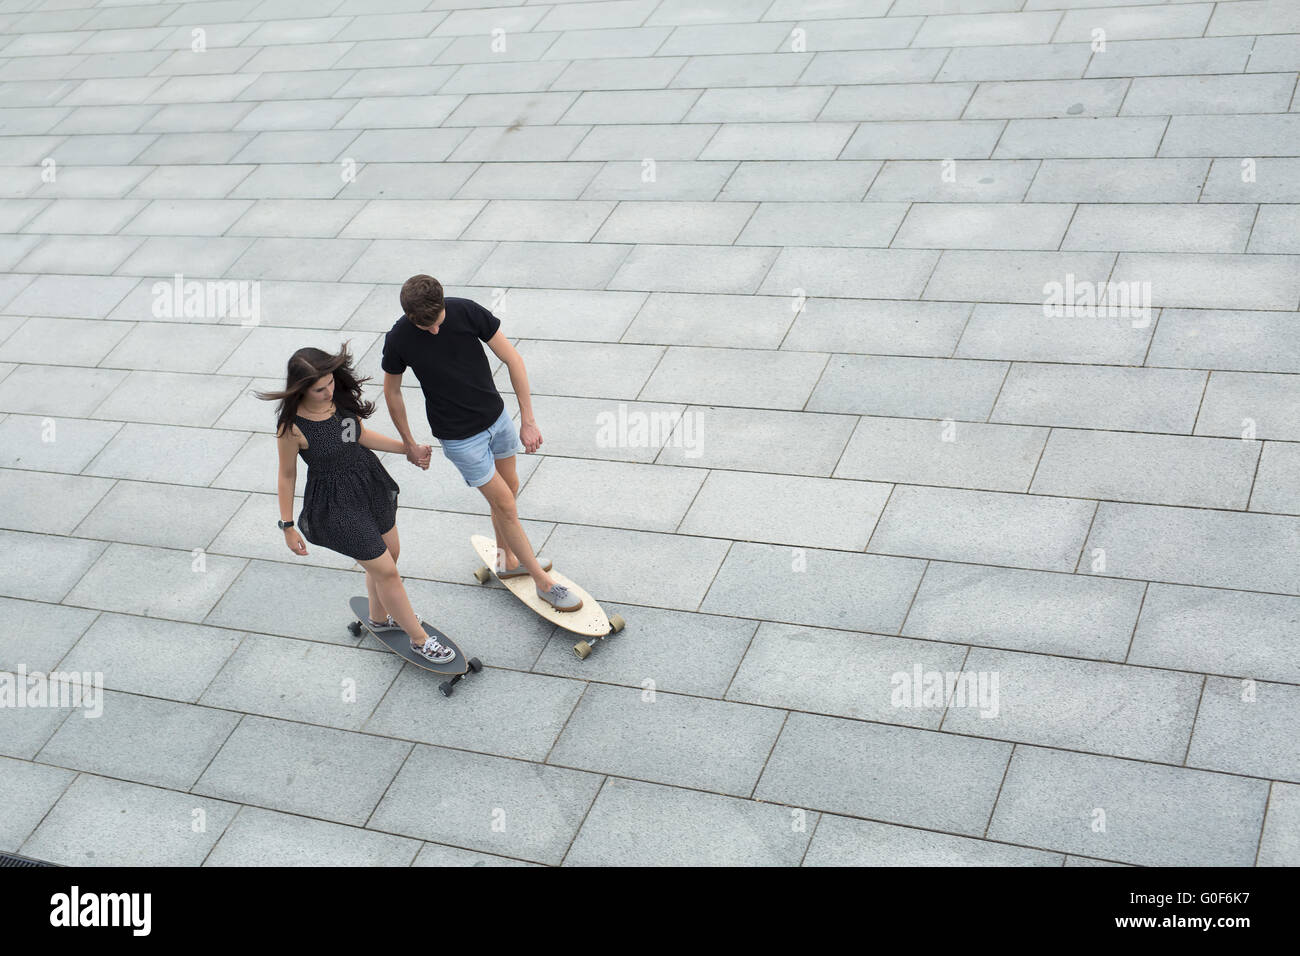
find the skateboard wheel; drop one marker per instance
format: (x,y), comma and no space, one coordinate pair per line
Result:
(355,628)
(582,649)
(475,664)
(482,575)
(616,623)
(445,687)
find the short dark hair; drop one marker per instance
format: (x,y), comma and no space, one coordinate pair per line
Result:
(422,300)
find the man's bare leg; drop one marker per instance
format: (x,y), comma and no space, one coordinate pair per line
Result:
(506,469)
(505,519)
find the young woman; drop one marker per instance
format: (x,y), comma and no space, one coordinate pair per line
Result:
(350,502)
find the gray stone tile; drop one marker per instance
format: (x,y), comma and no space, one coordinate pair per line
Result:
(327,774)
(952,181)
(159,742)
(1278,845)
(537,264)
(164,659)
(879,326)
(1152,400)
(1195,546)
(1153,815)
(1029,62)
(129,511)
(1135,24)
(910,387)
(265,838)
(1067,614)
(1172,95)
(510,807)
(36,501)
(1275,230)
(1109,136)
(666,738)
(984,226)
(717,645)
(1274,179)
(1254,633)
(193,456)
(799,180)
(1239,405)
(624,73)
(43,567)
(505,712)
(96,255)
(27,792)
(264,352)
(894,774)
(1046,98)
(51,390)
(823,224)
(860,592)
(493,144)
(296,218)
(1275,486)
(899,101)
(758,104)
(534,220)
(688,268)
(39,635)
(303,680)
(1167,228)
(840,841)
(1022,333)
(102,822)
(594,369)
(749,377)
(1114,709)
(1248,729)
(1027,531)
(276,598)
(641,824)
(1157,469)
(435,854)
(927,139)
(851,273)
(154,582)
(744,439)
(1253,134)
(665,181)
(1118,180)
(671,318)
(617,494)
(966,454)
(747,506)
(529,180)
(1178,57)
(742,69)
(601,429)
(704,223)
(841,673)
(684,566)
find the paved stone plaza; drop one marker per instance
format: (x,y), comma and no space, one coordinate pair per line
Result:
(778,269)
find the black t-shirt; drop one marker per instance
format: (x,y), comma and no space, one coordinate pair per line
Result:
(460,397)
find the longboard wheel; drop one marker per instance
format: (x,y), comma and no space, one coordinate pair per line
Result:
(582,649)
(475,664)
(355,628)
(616,623)
(482,575)
(445,687)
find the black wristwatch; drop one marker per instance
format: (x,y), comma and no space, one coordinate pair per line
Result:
(283,524)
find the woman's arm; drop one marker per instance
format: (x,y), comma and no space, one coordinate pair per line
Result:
(287,477)
(371,439)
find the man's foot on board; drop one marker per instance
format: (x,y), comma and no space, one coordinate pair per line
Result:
(560,598)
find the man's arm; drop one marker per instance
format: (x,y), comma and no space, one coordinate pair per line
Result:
(397,412)
(514,362)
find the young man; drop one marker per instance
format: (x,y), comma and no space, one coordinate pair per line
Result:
(438,338)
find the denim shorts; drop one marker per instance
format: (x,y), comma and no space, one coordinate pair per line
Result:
(475,456)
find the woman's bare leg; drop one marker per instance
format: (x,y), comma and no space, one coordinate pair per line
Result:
(378,612)
(388,584)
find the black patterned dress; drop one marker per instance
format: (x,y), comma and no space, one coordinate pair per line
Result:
(350,499)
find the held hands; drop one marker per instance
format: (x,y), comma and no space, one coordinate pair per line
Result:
(294,540)
(530,436)
(419,455)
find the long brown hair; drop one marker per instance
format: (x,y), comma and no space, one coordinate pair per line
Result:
(306,367)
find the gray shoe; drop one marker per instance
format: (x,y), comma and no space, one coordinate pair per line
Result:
(560,598)
(519,568)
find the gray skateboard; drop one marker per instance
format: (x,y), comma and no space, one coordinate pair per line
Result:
(397,642)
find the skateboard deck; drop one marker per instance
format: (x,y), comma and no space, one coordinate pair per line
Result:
(400,644)
(588,621)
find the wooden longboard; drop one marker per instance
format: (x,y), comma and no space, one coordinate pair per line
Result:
(588,621)
(400,644)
